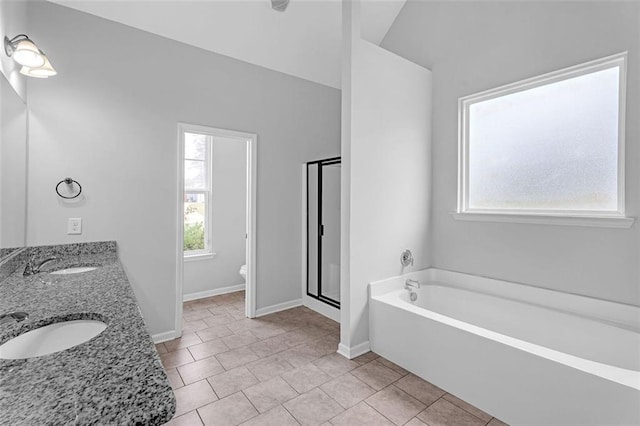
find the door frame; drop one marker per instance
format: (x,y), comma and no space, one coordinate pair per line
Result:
(251,194)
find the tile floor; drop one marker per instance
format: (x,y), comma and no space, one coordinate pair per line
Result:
(283,369)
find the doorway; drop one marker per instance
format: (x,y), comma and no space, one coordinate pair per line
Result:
(205,198)
(323,231)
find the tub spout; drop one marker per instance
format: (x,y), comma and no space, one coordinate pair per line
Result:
(410,284)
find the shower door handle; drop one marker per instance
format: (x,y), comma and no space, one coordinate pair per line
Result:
(321,230)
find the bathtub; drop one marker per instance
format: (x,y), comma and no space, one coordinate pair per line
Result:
(523,354)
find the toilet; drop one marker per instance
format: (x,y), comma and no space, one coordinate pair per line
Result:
(243,272)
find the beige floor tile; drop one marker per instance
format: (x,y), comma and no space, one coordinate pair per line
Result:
(176,358)
(468,407)
(396,405)
(190,419)
(278,416)
(268,347)
(193,396)
(376,375)
(199,370)
(191,326)
(496,422)
(196,315)
(243,324)
(236,357)
(301,355)
(305,378)
(360,415)
(366,358)
(265,331)
(207,349)
(214,332)
(269,394)
(243,338)
(161,349)
(328,344)
(420,389)
(220,319)
(295,338)
(174,378)
(335,364)
(232,381)
(266,368)
(347,390)
(313,408)
(187,339)
(444,413)
(231,410)
(416,422)
(392,366)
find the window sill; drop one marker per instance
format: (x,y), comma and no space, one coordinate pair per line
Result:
(200,256)
(587,221)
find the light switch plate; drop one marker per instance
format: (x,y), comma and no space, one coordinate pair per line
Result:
(74,226)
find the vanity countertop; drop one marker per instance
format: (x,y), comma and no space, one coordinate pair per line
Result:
(114,378)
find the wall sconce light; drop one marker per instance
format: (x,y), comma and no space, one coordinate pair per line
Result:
(25,52)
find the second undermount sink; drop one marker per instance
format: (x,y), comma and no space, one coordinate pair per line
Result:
(76,270)
(51,338)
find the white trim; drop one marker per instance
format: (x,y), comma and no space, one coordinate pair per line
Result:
(278,307)
(354,351)
(321,308)
(251,254)
(200,256)
(587,221)
(588,218)
(165,337)
(214,292)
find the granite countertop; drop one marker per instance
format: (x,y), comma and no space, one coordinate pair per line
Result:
(114,378)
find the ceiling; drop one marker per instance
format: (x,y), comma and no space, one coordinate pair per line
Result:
(304,41)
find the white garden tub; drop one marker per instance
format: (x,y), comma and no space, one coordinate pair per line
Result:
(524,354)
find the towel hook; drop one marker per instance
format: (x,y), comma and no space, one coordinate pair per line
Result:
(69,181)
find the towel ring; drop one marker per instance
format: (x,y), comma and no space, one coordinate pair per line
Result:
(70,182)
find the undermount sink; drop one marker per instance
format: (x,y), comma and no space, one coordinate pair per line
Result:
(76,270)
(51,338)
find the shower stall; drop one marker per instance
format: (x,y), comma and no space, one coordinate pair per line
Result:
(323,230)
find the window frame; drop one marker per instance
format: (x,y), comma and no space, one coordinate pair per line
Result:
(207,252)
(615,218)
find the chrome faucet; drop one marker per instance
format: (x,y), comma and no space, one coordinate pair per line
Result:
(13,316)
(410,284)
(32,269)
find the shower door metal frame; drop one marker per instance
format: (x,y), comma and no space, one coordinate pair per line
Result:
(320,230)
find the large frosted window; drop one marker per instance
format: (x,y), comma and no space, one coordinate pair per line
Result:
(547,145)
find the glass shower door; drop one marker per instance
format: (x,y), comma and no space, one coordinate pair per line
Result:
(323,230)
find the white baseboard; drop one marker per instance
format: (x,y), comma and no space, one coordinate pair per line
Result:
(214,292)
(164,337)
(354,351)
(278,307)
(321,308)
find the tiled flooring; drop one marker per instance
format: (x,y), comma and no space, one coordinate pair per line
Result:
(283,369)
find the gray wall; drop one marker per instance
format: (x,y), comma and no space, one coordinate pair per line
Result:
(109,121)
(228,226)
(475,46)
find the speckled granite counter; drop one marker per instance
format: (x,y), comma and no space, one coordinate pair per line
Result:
(114,378)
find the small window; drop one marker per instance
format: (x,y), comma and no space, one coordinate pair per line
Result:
(551,145)
(197,193)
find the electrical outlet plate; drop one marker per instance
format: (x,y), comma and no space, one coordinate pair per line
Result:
(74,226)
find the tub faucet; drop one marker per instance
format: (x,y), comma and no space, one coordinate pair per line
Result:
(33,268)
(410,284)
(13,316)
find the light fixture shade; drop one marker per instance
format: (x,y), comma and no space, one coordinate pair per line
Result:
(29,73)
(45,70)
(27,54)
